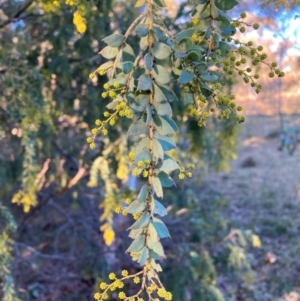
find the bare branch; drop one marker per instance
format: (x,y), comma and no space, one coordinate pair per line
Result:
(18,15)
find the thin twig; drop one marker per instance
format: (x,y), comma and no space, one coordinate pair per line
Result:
(17,16)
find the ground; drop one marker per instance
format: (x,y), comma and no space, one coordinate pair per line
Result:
(263,194)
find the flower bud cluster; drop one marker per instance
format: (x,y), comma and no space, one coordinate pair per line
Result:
(111,91)
(247,52)
(141,167)
(121,109)
(186,172)
(225,104)
(153,288)
(241,25)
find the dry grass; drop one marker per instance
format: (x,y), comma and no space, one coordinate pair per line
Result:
(263,191)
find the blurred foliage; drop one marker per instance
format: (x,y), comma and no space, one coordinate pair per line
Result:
(281,3)
(208,249)
(289,139)
(7,226)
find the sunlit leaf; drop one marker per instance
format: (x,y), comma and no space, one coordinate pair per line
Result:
(140,3)
(137,128)
(157,248)
(162,126)
(157,187)
(158,152)
(169,165)
(109,52)
(161,50)
(161,75)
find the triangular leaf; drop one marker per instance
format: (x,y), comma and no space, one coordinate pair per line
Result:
(169,165)
(171,122)
(158,152)
(143,156)
(166,142)
(138,244)
(161,75)
(160,3)
(188,98)
(136,207)
(157,248)
(185,34)
(162,126)
(142,145)
(141,30)
(148,61)
(226,5)
(145,82)
(163,108)
(185,77)
(135,233)
(128,54)
(109,52)
(228,31)
(169,93)
(140,3)
(127,67)
(139,103)
(149,114)
(155,266)
(161,50)
(180,54)
(137,128)
(210,76)
(112,105)
(160,227)
(157,187)
(154,255)
(159,96)
(193,56)
(144,43)
(153,238)
(144,256)
(160,209)
(106,65)
(114,40)
(224,47)
(165,179)
(143,194)
(142,222)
